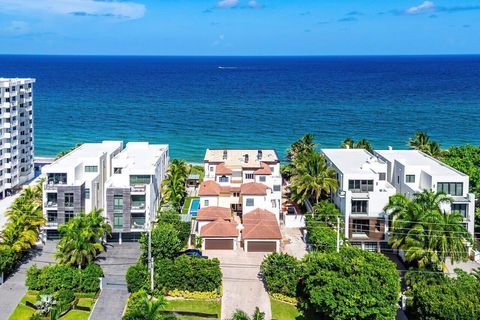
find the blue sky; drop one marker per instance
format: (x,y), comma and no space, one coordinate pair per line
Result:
(239,27)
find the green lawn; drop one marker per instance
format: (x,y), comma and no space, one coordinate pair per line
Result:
(22,312)
(187,203)
(212,307)
(283,311)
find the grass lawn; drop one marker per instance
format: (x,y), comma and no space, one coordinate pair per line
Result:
(187,203)
(212,307)
(22,312)
(283,311)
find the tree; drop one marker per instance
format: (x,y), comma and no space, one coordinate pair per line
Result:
(305,145)
(423,143)
(173,187)
(8,258)
(281,273)
(240,315)
(165,242)
(324,211)
(322,238)
(258,315)
(65,152)
(142,307)
(312,178)
(352,284)
(172,217)
(360,144)
(80,243)
(467,160)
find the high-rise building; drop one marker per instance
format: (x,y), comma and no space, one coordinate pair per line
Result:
(16,143)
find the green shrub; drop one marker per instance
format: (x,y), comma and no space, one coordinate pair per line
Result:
(165,242)
(33,281)
(89,278)
(322,238)
(281,273)
(8,259)
(64,299)
(137,277)
(172,217)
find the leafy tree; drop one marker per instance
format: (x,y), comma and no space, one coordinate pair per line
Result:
(352,284)
(281,273)
(142,307)
(467,160)
(65,152)
(172,217)
(324,211)
(360,144)
(137,277)
(174,188)
(305,145)
(165,242)
(423,143)
(80,243)
(8,258)
(322,238)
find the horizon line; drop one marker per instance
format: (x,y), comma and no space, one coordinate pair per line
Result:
(246,56)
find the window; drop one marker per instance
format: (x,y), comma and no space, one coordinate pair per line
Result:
(461,208)
(276,187)
(451,188)
(274,204)
(272,169)
(236,194)
(250,202)
(360,185)
(206,203)
(211,168)
(360,226)
(359,207)
(223,179)
(68,199)
(117,170)
(249,176)
(68,216)
(118,202)
(118,220)
(262,178)
(139,179)
(57,178)
(410,178)
(382,176)
(87,193)
(225,154)
(370,246)
(398,179)
(91,168)
(52,217)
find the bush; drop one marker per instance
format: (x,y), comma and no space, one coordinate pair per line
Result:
(165,242)
(173,218)
(8,259)
(281,273)
(137,277)
(322,238)
(89,278)
(64,299)
(33,281)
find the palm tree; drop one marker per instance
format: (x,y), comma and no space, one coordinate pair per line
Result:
(423,143)
(150,309)
(312,177)
(360,144)
(303,146)
(240,315)
(173,188)
(348,143)
(258,315)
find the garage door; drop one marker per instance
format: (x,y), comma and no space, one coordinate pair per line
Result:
(261,246)
(218,244)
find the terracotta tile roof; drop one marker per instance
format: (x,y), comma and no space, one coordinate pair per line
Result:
(221,169)
(253,188)
(260,224)
(214,213)
(229,189)
(219,229)
(264,170)
(209,188)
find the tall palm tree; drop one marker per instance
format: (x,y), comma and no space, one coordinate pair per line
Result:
(423,143)
(360,144)
(303,146)
(174,185)
(312,177)
(348,143)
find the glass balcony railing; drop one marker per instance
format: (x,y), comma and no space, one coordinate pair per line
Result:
(137,222)
(138,205)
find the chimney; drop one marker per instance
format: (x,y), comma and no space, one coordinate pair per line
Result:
(390,148)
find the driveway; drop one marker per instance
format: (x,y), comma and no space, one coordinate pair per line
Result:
(115,263)
(242,286)
(12,291)
(293,242)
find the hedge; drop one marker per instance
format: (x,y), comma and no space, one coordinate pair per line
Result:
(281,273)
(8,259)
(137,277)
(56,277)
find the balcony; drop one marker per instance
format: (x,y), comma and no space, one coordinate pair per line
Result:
(138,189)
(137,222)
(138,205)
(360,235)
(51,204)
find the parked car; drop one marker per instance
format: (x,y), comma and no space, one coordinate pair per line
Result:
(192,253)
(291,210)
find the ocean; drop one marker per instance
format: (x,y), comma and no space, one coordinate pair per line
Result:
(193,103)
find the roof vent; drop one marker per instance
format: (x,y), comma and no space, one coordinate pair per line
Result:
(245,158)
(390,148)
(259,155)
(225,154)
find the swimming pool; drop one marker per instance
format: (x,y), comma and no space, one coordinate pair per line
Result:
(194,205)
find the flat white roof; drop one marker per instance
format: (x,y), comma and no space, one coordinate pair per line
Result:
(351,160)
(16,80)
(419,159)
(235,157)
(77,156)
(140,157)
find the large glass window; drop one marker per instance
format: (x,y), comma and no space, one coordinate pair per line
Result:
(360,185)
(138,202)
(68,199)
(69,216)
(223,179)
(139,179)
(276,187)
(461,208)
(91,168)
(87,193)
(360,226)
(138,220)
(118,202)
(57,178)
(410,178)
(359,206)
(51,199)
(118,221)
(451,188)
(52,217)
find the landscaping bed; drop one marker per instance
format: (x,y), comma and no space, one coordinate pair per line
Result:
(198,306)
(283,311)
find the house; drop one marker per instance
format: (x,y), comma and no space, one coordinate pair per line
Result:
(132,193)
(412,171)
(76,182)
(362,194)
(261,232)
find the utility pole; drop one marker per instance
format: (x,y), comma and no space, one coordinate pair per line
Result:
(338,234)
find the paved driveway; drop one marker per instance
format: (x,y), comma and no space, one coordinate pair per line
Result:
(293,242)
(12,291)
(115,263)
(242,287)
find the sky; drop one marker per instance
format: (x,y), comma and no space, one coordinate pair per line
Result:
(239,27)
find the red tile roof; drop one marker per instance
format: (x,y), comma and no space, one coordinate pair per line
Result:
(264,170)
(253,188)
(214,213)
(260,224)
(221,169)
(219,229)
(209,188)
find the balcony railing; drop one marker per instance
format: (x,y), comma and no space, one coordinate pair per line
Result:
(138,205)
(51,204)
(138,188)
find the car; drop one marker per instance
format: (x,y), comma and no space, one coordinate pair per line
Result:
(291,210)
(192,253)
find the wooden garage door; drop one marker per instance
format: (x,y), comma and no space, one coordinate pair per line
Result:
(218,244)
(261,246)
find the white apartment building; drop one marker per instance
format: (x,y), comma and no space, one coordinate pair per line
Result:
(242,180)
(133,191)
(76,182)
(362,194)
(412,171)
(16,133)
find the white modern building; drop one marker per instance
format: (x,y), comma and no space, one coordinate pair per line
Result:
(362,194)
(412,171)
(16,133)
(76,182)
(132,192)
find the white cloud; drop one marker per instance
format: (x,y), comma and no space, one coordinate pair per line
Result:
(105,8)
(227,3)
(426,6)
(254,4)
(18,27)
